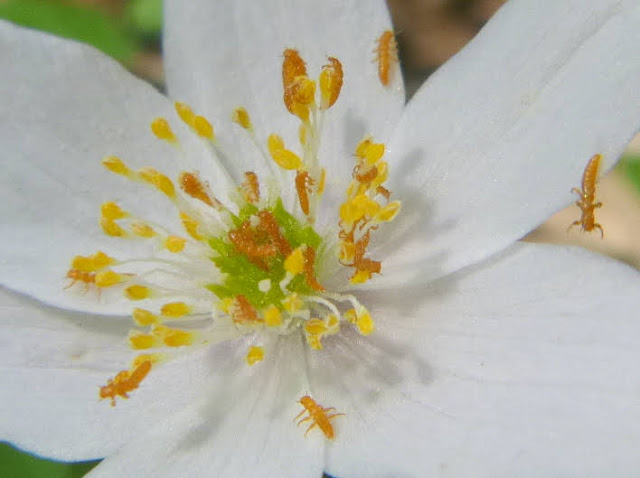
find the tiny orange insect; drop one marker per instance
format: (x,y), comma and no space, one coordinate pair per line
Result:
(318,415)
(125,382)
(76,275)
(386,55)
(587,197)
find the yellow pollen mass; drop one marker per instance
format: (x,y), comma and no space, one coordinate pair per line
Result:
(173,337)
(191,226)
(292,303)
(255,355)
(365,322)
(161,128)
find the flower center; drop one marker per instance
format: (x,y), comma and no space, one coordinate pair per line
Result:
(252,264)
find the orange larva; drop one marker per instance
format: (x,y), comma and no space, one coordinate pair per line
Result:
(318,416)
(77,275)
(588,195)
(386,56)
(125,382)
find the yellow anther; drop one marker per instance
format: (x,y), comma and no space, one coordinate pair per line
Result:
(351,316)
(174,244)
(173,337)
(333,324)
(116,165)
(143,230)
(330,82)
(355,209)
(361,149)
(226,304)
(175,309)
(100,260)
(160,127)
(140,341)
(241,117)
(383,174)
(191,226)
(275,143)
(315,327)
(347,251)
(360,277)
(255,355)
(315,341)
(365,322)
(283,157)
(111,228)
(374,153)
(82,263)
(286,159)
(202,126)
(388,212)
(112,211)
(109,278)
(144,318)
(323,180)
(292,303)
(294,263)
(185,112)
(303,132)
(137,292)
(159,180)
(305,91)
(272,316)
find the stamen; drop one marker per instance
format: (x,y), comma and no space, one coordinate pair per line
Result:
(241,117)
(159,180)
(137,292)
(184,112)
(175,309)
(190,183)
(115,165)
(283,157)
(144,318)
(108,279)
(202,126)
(161,128)
(330,82)
(272,316)
(174,244)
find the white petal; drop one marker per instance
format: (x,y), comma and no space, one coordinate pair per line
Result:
(65,106)
(495,140)
(224,54)
(525,366)
(243,429)
(52,364)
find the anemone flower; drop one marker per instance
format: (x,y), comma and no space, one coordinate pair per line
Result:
(292,241)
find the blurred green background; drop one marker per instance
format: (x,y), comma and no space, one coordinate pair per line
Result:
(430,31)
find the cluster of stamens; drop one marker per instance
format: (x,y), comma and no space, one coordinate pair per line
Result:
(252,267)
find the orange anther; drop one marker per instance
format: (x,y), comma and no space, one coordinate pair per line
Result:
(190,183)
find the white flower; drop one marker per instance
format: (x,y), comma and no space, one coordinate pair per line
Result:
(488,358)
